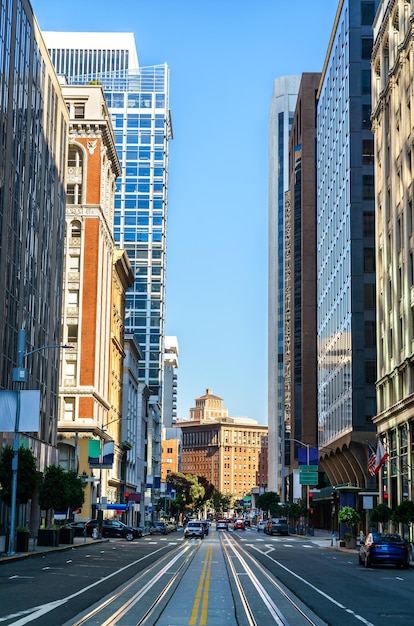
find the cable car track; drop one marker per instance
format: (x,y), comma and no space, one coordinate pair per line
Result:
(274,588)
(252,595)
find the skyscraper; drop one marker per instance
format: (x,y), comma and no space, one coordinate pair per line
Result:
(33,142)
(285,92)
(346,249)
(300,374)
(138,101)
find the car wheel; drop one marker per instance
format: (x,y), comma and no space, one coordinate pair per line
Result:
(406,565)
(129,536)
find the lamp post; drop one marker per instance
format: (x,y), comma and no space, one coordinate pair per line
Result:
(19,376)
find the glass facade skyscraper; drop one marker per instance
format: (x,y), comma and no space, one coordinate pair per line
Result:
(33,144)
(138,101)
(345,242)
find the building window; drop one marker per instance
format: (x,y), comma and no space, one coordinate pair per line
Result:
(366,116)
(75,229)
(368,151)
(69,409)
(74,175)
(367,13)
(369,296)
(370,335)
(366,47)
(79,111)
(369,259)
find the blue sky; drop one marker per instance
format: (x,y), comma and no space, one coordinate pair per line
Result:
(223,57)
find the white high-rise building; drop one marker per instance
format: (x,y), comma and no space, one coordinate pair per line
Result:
(284,98)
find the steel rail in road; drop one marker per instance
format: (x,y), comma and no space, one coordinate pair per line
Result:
(224,584)
(149,588)
(283,606)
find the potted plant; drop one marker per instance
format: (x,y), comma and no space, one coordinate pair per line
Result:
(22,539)
(48,536)
(348,516)
(65,534)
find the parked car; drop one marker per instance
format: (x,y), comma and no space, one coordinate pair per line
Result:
(159,528)
(384,548)
(221,524)
(239,525)
(276,526)
(260,526)
(194,529)
(112,528)
(78,528)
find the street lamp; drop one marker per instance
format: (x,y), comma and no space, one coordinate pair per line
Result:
(19,376)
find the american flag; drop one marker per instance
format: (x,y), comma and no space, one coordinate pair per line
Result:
(372,461)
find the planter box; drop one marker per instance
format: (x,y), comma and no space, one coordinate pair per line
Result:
(48,537)
(66,535)
(22,541)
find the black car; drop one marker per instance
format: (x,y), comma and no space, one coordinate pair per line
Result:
(384,548)
(78,528)
(276,526)
(112,528)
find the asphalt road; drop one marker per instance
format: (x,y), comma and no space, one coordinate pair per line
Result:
(54,588)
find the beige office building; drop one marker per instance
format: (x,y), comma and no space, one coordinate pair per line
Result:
(393,127)
(230,452)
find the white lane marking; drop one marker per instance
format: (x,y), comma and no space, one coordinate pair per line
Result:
(322,593)
(43,609)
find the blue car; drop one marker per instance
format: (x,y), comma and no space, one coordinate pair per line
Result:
(384,549)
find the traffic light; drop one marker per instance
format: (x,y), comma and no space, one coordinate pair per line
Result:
(126,497)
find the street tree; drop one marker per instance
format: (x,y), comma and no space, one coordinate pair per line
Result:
(60,490)
(381,514)
(27,475)
(270,502)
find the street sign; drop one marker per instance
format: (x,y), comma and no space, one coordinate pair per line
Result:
(308,475)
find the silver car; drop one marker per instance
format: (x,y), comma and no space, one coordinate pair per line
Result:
(194,529)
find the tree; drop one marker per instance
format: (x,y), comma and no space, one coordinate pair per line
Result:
(404,513)
(294,511)
(187,489)
(348,516)
(27,475)
(60,490)
(220,502)
(381,514)
(269,501)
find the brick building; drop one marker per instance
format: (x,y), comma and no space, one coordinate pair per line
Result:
(230,452)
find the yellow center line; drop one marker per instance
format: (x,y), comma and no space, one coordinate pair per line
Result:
(204,609)
(206,568)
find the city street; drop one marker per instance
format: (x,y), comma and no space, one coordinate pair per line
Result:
(230,577)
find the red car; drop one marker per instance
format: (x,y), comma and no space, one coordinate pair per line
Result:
(239,525)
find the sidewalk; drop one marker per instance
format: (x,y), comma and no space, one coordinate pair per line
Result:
(35,550)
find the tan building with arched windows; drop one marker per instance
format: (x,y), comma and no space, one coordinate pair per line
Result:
(230,452)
